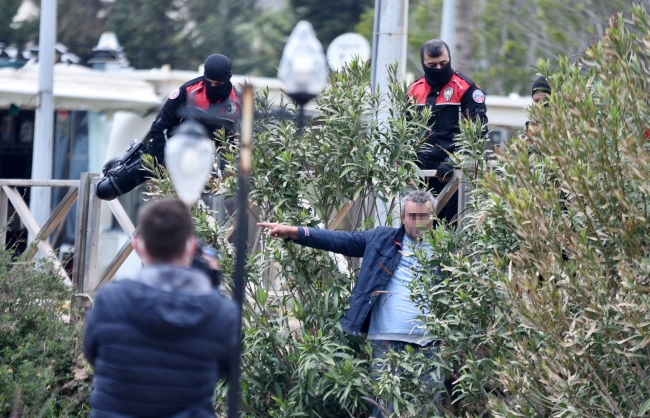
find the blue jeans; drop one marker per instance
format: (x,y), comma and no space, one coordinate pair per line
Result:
(434,378)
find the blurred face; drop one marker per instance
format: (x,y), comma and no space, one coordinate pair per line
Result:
(437,62)
(417,219)
(540,96)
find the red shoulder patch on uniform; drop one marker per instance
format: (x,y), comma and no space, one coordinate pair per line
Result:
(418,91)
(478,96)
(174,94)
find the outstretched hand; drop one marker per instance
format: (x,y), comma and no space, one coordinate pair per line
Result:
(279,231)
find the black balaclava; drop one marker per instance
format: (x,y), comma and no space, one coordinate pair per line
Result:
(217,68)
(438,77)
(541,84)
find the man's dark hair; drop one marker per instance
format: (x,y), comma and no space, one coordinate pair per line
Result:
(165,226)
(433,48)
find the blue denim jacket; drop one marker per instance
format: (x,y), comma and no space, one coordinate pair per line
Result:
(380,251)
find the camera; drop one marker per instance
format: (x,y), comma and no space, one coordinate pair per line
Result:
(121,175)
(200,263)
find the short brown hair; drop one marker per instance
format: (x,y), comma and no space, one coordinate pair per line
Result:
(165,226)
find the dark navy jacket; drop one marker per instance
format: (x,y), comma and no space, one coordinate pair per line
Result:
(159,344)
(380,249)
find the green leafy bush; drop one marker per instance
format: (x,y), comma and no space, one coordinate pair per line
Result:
(544,307)
(41,370)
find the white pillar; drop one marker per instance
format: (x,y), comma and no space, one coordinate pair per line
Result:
(390,33)
(448,27)
(41,197)
(388,40)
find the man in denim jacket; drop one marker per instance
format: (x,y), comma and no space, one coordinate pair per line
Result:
(380,304)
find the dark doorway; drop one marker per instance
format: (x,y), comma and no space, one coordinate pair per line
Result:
(16,150)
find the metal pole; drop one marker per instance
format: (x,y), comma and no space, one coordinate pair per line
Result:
(389,41)
(448,27)
(245,160)
(301,118)
(375,46)
(41,197)
(390,33)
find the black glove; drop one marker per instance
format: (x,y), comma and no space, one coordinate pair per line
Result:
(445,172)
(109,165)
(158,153)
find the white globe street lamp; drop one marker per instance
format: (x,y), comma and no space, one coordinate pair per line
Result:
(303,67)
(189,158)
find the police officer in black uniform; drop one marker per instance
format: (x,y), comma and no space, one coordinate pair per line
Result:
(211,99)
(450,96)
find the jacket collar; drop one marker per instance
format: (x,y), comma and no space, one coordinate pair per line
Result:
(399,236)
(394,241)
(176,279)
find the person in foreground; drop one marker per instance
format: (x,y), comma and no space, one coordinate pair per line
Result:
(380,304)
(160,341)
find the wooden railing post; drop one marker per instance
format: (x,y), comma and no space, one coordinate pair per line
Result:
(92,236)
(80,232)
(32,227)
(447,192)
(56,218)
(463,194)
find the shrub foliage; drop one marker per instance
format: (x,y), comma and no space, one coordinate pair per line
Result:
(41,371)
(544,309)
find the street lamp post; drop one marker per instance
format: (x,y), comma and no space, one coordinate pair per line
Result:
(303,67)
(241,244)
(189,158)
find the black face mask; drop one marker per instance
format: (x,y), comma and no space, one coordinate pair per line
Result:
(219,92)
(438,77)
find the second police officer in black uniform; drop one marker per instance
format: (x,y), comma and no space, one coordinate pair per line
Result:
(213,101)
(450,96)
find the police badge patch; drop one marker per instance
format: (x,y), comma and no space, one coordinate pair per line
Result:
(231,109)
(478,96)
(174,94)
(449,91)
